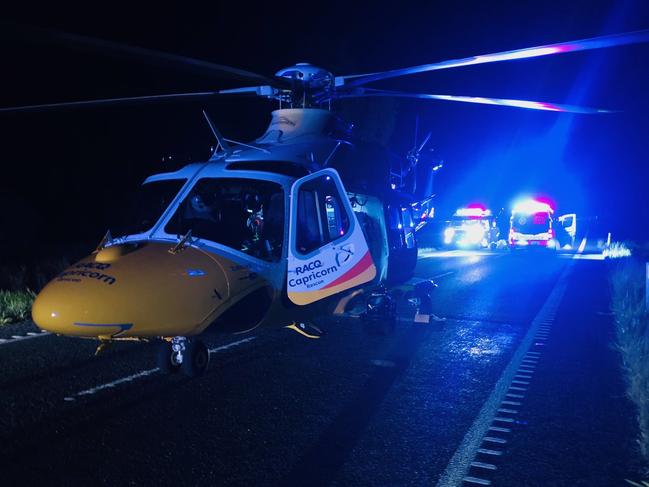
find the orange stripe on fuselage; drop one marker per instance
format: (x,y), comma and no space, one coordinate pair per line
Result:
(361,266)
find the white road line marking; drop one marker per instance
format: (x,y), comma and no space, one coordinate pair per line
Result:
(108,385)
(144,373)
(229,345)
(507,411)
(22,338)
(383,363)
(487,451)
(476,480)
(443,275)
(582,246)
(493,439)
(460,463)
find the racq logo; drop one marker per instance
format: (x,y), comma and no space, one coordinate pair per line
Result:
(311,274)
(311,266)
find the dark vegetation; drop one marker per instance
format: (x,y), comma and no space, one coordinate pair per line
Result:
(632,336)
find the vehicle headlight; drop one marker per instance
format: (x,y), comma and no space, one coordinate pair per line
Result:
(448,235)
(474,233)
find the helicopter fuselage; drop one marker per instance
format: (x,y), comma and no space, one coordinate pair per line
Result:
(256,232)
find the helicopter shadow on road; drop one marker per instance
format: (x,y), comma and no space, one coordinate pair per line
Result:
(320,464)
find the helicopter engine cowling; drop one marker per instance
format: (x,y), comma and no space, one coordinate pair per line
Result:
(142,290)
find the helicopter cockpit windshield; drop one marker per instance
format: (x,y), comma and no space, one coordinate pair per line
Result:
(145,208)
(243,214)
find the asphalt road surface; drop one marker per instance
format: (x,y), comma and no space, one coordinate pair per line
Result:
(515,384)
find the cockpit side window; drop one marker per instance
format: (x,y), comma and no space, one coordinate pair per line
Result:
(243,214)
(321,215)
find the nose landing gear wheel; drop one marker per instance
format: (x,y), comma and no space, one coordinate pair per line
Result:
(196,359)
(167,359)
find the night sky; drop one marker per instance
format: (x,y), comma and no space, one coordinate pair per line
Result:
(65,174)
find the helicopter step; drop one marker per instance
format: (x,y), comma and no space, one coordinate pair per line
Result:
(180,353)
(306,329)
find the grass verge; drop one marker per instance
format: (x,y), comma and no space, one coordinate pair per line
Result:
(15,306)
(632,339)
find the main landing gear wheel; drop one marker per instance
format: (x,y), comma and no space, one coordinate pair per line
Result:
(196,358)
(380,316)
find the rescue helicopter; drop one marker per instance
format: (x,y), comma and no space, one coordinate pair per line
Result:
(303,220)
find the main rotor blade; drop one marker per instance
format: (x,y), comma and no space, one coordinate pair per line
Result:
(531,105)
(150,56)
(600,42)
(114,101)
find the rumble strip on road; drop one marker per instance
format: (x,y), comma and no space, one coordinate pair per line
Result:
(493,422)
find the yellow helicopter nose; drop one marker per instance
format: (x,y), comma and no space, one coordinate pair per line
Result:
(138,289)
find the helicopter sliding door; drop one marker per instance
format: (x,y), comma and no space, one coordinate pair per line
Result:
(327,250)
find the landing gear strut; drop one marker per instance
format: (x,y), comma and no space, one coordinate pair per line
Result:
(189,355)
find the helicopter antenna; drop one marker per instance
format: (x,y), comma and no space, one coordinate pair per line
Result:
(220,140)
(225,143)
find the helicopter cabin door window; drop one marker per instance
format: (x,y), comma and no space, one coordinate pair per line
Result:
(328,252)
(321,215)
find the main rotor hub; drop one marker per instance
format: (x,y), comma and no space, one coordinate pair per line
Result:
(308,84)
(308,74)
